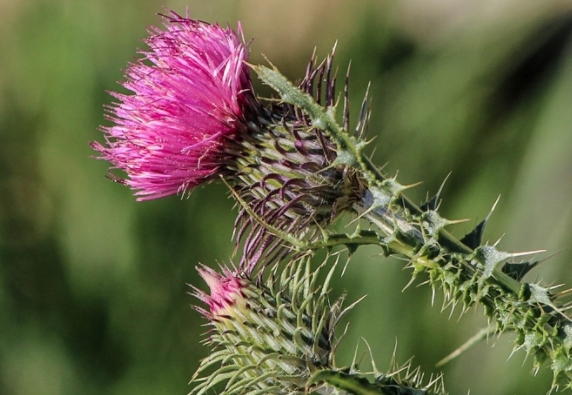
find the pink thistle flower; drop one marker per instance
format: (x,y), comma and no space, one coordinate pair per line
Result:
(192,92)
(225,292)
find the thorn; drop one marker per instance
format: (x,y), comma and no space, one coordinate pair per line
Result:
(360,127)
(369,210)
(404,187)
(345,266)
(553,287)
(482,334)
(434,202)
(473,238)
(345,311)
(353,365)
(269,62)
(393,362)
(525,253)
(548,257)
(408,284)
(371,156)
(443,184)
(339,340)
(457,221)
(370,356)
(563,293)
(496,243)
(494,206)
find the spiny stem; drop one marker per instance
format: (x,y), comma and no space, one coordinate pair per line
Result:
(352,384)
(468,271)
(350,153)
(385,221)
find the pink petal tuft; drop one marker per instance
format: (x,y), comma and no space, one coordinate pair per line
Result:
(191,91)
(225,289)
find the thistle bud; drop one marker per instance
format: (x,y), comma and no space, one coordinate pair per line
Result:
(291,180)
(278,338)
(267,337)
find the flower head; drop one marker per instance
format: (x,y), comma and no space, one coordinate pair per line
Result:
(191,96)
(277,337)
(270,335)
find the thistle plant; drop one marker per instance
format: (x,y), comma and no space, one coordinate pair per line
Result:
(278,336)
(293,170)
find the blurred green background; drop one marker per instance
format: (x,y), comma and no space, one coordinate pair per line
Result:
(93,294)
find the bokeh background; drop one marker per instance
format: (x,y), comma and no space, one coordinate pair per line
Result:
(93,294)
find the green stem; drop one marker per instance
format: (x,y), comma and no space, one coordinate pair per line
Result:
(467,275)
(387,223)
(350,153)
(347,383)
